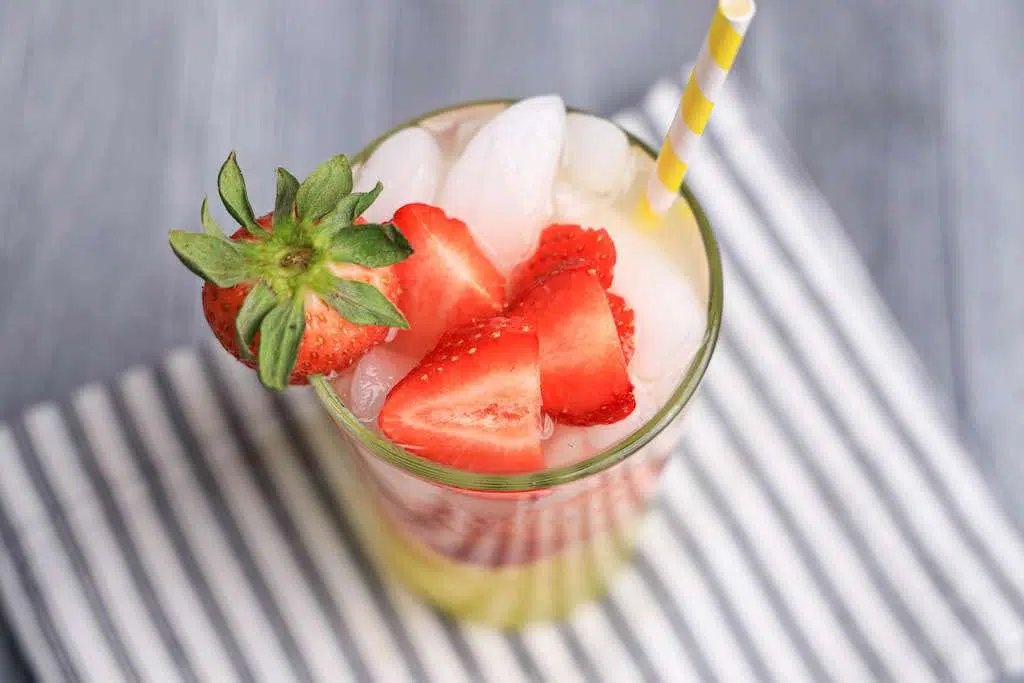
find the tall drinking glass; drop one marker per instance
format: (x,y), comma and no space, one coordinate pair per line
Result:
(508,549)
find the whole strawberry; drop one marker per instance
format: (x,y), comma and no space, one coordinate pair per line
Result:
(305,290)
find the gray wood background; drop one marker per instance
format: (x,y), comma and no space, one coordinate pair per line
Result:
(116,114)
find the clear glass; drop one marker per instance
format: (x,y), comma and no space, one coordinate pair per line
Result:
(509,549)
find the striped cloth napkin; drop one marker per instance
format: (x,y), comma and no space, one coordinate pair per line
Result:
(821,522)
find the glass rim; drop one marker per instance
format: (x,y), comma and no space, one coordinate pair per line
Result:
(603,459)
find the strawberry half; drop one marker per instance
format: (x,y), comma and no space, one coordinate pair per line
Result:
(625,323)
(305,290)
(561,247)
(582,366)
(474,401)
(447,282)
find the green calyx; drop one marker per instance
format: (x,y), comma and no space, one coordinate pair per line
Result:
(313,226)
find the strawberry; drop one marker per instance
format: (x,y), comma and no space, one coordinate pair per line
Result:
(625,323)
(582,366)
(447,282)
(561,247)
(474,401)
(305,290)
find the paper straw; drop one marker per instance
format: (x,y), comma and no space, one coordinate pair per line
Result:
(722,42)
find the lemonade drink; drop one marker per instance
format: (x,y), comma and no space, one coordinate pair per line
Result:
(534,542)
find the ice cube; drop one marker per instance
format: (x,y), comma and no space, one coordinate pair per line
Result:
(501,186)
(409,165)
(374,376)
(572,205)
(669,320)
(343,384)
(597,156)
(566,446)
(464,133)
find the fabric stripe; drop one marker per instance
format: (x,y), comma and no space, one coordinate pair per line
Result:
(249,423)
(965,513)
(62,581)
(108,587)
(160,559)
(315,441)
(653,582)
(579,654)
(27,576)
(127,550)
(629,639)
(709,189)
(429,636)
(460,645)
(643,625)
(34,437)
(523,656)
(712,579)
(881,478)
(23,640)
(761,574)
(766,546)
(702,602)
(228,524)
(149,437)
(947,566)
(888,372)
(553,659)
(906,642)
(853,626)
(913,595)
(775,642)
(642,620)
(600,645)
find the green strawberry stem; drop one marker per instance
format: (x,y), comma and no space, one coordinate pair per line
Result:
(313,226)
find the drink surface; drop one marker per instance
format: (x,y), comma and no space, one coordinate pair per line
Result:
(511,172)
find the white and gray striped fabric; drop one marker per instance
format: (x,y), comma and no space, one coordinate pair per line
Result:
(821,522)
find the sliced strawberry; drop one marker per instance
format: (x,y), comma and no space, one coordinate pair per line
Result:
(447,282)
(473,402)
(565,246)
(583,369)
(625,323)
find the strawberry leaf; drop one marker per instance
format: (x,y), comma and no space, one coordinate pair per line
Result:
(215,259)
(258,303)
(320,193)
(349,208)
(366,199)
(363,304)
(210,226)
(284,203)
(280,335)
(231,186)
(370,245)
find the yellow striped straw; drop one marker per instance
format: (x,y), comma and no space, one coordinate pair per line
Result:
(722,42)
